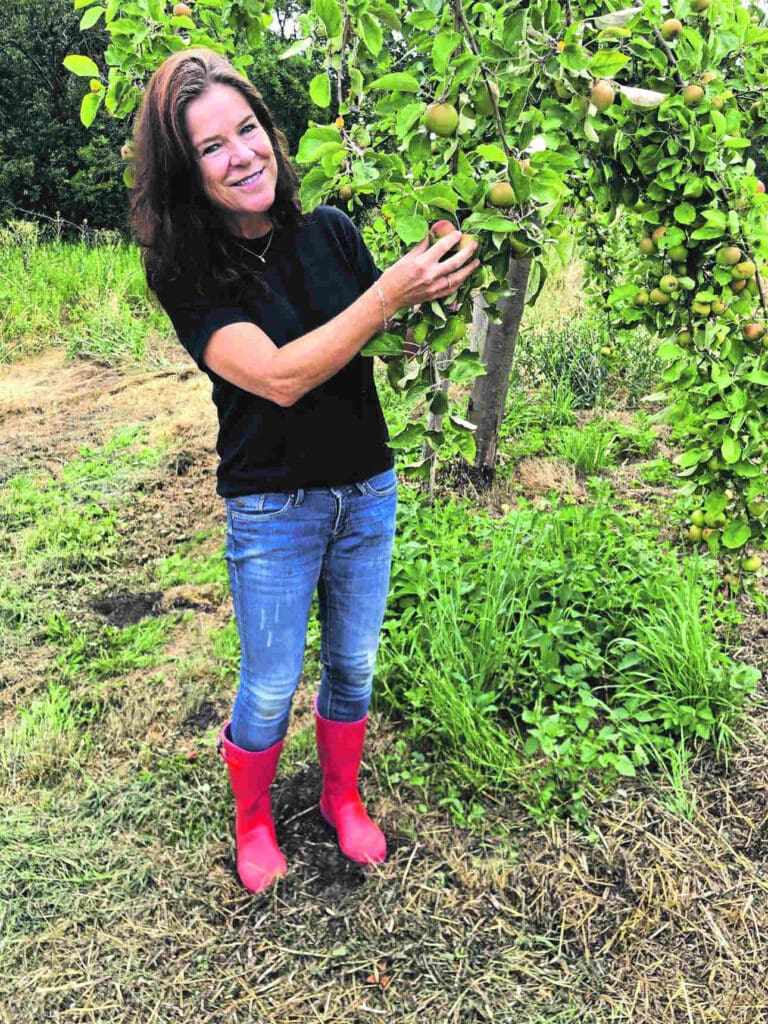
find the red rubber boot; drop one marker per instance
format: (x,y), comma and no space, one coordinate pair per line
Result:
(259,860)
(340,749)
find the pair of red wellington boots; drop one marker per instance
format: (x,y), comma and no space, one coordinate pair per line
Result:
(340,749)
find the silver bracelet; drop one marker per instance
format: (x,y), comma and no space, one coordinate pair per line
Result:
(388,323)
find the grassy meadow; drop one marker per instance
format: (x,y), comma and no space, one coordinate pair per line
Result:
(568,747)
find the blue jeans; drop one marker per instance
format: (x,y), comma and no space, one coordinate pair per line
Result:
(281,548)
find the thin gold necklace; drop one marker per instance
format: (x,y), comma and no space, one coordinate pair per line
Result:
(263,253)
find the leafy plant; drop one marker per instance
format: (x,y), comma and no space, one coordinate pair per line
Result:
(525,654)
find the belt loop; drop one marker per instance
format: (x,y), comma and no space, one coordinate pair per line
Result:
(298,497)
(360,486)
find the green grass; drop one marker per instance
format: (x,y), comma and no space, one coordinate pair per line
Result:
(90,300)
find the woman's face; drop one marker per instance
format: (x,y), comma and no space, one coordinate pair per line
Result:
(236,158)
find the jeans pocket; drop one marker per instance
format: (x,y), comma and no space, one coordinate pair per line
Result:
(381,485)
(251,508)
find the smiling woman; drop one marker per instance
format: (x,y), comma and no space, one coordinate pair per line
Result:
(274,306)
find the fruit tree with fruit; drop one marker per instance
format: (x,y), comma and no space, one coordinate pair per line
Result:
(502,119)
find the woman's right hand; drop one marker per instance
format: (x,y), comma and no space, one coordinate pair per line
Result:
(422,275)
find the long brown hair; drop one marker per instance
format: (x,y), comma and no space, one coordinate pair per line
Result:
(180,231)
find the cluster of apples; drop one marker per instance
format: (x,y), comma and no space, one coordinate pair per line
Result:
(443,118)
(743,277)
(704,524)
(602,94)
(441,228)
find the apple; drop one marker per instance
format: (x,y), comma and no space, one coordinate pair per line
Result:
(754,332)
(698,517)
(658,233)
(440,229)
(694,534)
(743,271)
(738,286)
(441,118)
(701,308)
(602,94)
(728,256)
(684,338)
(642,298)
(481,97)
(677,253)
(671,29)
(668,283)
(760,186)
(465,242)
(345,192)
(699,6)
(659,297)
(501,195)
(692,95)
(647,246)
(751,564)
(181,11)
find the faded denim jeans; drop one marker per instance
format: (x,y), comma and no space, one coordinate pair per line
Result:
(281,548)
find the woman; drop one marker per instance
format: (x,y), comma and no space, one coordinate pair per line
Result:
(274,307)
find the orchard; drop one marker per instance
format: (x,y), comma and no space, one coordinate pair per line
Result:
(503,120)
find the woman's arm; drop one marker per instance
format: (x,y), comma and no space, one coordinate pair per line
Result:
(244,355)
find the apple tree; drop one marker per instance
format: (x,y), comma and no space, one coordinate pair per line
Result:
(501,118)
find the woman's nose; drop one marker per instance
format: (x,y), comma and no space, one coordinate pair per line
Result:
(241,152)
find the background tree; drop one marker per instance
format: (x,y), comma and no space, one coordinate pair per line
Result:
(49,161)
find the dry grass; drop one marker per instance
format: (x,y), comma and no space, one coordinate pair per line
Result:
(118,898)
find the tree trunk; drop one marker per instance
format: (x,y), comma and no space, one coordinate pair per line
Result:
(486,406)
(435,422)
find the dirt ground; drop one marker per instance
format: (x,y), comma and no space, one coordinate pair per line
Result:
(118,914)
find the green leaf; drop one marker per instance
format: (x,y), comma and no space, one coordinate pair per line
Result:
(314,187)
(84,67)
(465,367)
(668,351)
(89,107)
(372,34)
(398,81)
(383,345)
(314,141)
(298,47)
(623,291)
(329,13)
(492,154)
(624,766)
(320,90)
(90,18)
(411,228)
(607,63)
(730,449)
(442,49)
(411,435)
(736,534)
(82,3)
(407,117)
(685,213)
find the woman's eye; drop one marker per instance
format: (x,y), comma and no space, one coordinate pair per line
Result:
(210,149)
(249,128)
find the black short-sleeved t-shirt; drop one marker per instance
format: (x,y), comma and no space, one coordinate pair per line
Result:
(336,433)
